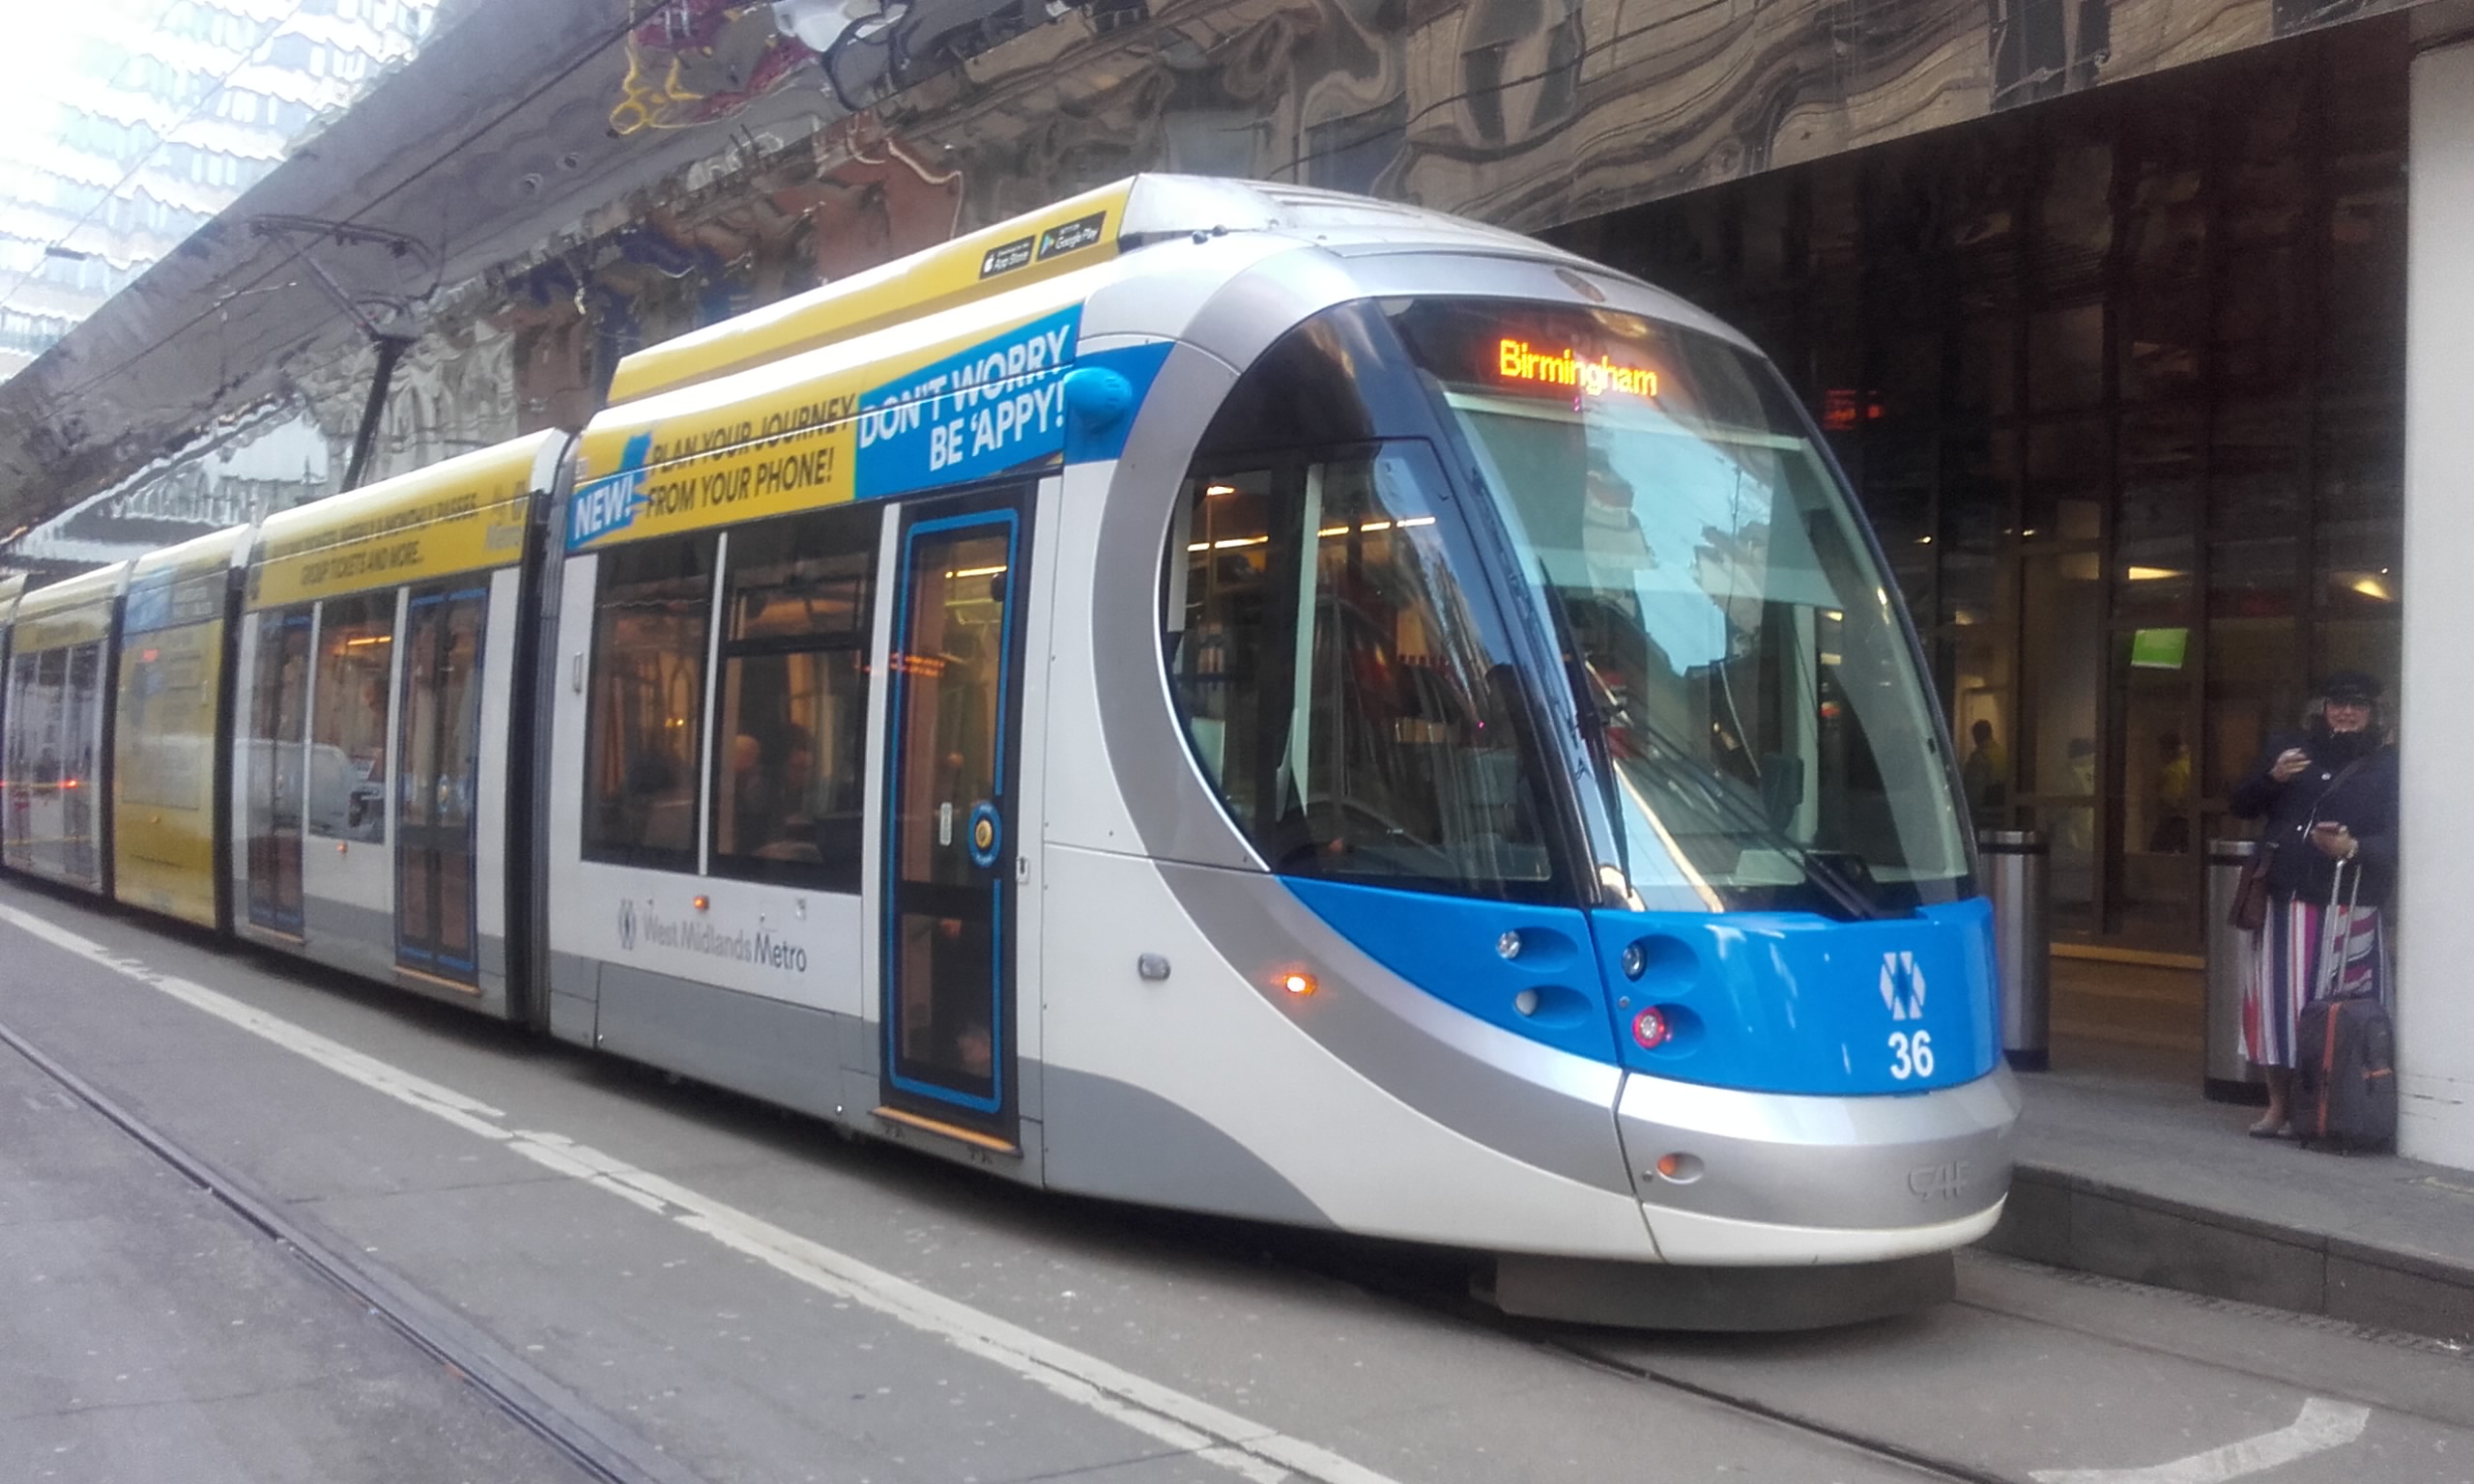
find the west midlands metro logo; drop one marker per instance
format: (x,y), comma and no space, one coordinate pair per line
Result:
(1902,987)
(609,505)
(627,925)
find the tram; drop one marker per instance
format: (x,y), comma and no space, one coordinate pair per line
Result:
(1211,694)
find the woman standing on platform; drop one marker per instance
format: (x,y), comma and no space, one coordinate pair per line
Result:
(2329,796)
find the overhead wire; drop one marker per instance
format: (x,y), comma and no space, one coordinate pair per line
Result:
(591,52)
(162,140)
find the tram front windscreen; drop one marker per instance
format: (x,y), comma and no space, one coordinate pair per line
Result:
(1740,667)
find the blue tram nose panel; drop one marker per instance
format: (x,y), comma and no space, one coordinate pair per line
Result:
(1789,1003)
(1759,1002)
(1531,970)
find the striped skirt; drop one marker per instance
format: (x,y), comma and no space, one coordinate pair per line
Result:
(2287,973)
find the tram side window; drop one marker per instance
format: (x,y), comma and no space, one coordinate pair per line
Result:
(349,728)
(1337,684)
(166,718)
(644,748)
(789,758)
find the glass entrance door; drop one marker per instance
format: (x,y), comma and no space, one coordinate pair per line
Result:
(440,747)
(950,816)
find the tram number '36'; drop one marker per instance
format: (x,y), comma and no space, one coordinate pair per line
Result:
(1910,1056)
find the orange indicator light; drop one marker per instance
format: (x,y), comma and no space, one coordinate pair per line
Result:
(702,902)
(1298,984)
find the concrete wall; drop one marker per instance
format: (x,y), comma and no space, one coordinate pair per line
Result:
(2436,995)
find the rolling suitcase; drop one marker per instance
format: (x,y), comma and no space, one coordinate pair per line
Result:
(2344,1063)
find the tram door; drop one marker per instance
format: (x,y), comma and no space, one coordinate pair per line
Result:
(954,708)
(279,718)
(441,744)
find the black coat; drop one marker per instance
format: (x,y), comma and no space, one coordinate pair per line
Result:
(2364,800)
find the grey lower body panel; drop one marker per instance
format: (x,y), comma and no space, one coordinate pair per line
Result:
(1117,1140)
(1648,1296)
(358,941)
(575,997)
(784,1053)
(57,876)
(799,1057)
(1849,1163)
(1110,1139)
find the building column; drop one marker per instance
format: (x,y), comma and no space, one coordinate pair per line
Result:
(2435,989)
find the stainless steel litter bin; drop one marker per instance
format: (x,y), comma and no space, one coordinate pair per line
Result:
(2228,1077)
(2014,877)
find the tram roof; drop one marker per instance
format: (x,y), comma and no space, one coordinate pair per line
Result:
(73,610)
(465,515)
(1067,237)
(207,555)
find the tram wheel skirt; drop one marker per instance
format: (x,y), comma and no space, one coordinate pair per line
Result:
(1654,1295)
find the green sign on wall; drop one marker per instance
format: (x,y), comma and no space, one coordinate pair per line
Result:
(2159,648)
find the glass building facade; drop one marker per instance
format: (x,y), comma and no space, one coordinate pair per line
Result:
(2120,378)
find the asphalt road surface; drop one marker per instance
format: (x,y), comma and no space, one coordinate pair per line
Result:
(263,1225)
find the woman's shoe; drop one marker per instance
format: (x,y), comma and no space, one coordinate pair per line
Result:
(2268,1128)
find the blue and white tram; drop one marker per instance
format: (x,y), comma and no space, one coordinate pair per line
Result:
(1225,696)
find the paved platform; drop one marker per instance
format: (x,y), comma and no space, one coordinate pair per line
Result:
(2126,1170)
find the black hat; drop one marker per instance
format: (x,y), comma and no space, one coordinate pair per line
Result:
(2351,685)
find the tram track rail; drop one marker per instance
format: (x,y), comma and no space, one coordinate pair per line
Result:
(1429,1281)
(1571,1345)
(599,1446)
(606,1450)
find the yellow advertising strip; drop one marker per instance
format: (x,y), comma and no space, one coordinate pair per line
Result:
(790,436)
(163,773)
(465,515)
(1059,238)
(74,611)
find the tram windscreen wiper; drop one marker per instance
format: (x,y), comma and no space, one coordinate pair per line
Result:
(1849,885)
(1596,717)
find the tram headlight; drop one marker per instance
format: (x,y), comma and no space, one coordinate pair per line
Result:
(1650,1030)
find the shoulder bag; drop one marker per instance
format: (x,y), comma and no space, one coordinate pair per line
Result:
(2250,910)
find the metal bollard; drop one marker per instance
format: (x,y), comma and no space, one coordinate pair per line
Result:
(2227,1075)
(2014,873)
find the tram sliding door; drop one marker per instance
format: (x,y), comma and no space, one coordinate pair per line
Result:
(441,711)
(952,763)
(278,720)
(36,771)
